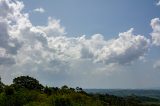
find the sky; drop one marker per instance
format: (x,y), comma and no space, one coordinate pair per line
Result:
(90,44)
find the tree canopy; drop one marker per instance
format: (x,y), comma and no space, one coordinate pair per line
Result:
(27,82)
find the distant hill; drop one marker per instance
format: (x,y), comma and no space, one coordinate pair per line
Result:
(155,93)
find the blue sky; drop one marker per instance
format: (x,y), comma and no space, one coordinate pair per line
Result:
(107,17)
(91,44)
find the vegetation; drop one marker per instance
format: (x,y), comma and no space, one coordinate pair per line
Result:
(27,91)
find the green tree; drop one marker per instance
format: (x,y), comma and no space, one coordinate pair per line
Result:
(9,90)
(78,89)
(48,90)
(64,87)
(27,82)
(62,102)
(1,86)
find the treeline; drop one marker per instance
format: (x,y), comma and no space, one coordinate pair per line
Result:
(27,91)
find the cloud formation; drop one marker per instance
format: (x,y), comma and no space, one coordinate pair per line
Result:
(38,50)
(40,10)
(158,3)
(125,49)
(155,24)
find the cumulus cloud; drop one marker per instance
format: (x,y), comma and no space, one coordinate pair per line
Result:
(53,28)
(40,10)
(37,50)
(125,49)
(155,24)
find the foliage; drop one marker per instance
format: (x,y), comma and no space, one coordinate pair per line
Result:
(23,93)
(1,86)
(27,82)
(9,90)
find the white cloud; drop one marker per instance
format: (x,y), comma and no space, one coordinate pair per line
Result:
(47,50)
(53,28)
(158,3)
(40,10)
(125,49)
(155,23)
